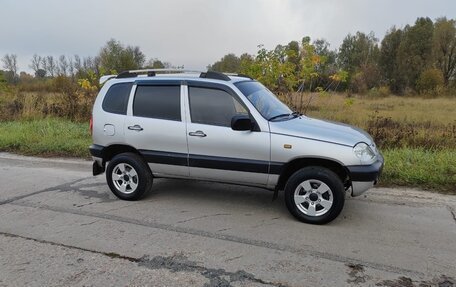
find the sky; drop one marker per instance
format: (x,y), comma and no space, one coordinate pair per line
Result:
(196,33)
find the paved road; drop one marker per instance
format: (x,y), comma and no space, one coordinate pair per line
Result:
(59,226)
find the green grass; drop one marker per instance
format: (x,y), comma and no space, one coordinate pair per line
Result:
(45,137)
(428,169)
(425,169)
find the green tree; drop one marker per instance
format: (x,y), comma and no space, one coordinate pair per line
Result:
(155,64)
(415,50)
(388,60)
(444,47)
(358,55)
(114,57)
(229,63)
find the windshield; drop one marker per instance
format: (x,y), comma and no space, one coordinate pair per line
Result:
(264,100)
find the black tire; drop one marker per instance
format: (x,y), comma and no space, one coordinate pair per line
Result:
(314,176)
(142,182)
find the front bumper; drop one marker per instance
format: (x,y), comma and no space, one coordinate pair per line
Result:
(364,177)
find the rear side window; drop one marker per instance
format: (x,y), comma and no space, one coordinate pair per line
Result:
(159,102)
(116,98)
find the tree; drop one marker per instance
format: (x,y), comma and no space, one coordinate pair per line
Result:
(388,60)
(62,66)
(155,64)
(430,80)
(358,55)
(415,50)
(229,63)
(36,62)
(115,57)
(293,53)
(50,66)
(40,73)
(357,50)
(444,47)
(10,64)
(327,65)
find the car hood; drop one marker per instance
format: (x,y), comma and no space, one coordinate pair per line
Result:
(321,130)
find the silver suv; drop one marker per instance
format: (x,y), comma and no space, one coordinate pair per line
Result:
(227,128)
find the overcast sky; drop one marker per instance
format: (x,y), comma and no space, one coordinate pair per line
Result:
(195,33)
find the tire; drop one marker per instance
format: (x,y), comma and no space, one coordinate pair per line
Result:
(128,176)
(315,195)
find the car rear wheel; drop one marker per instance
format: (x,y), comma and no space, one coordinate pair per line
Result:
(128,176)
(314,195)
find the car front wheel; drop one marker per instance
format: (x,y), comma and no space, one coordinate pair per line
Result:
(314,195)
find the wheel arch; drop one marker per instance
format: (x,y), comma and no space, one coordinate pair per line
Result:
(294,165)
(112,150)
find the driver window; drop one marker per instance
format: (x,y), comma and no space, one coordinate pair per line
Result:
(213,106)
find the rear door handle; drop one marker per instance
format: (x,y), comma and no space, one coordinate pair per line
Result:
(197,134)
(137,128)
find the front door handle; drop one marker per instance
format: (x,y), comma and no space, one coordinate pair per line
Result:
(197,134)
(137,128)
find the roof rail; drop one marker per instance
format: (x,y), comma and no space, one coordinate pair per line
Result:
(104,79)
(238,75)
(215,76)
(152,72)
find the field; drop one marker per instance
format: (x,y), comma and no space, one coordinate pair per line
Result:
(417,136)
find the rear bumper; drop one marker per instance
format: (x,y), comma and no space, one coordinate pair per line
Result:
(98,166)
(96,150)
(364,177)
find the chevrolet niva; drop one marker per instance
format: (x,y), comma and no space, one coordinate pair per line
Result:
(226,128)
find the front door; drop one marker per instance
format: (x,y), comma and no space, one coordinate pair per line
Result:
(216,152)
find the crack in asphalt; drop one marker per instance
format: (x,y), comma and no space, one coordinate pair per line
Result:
(64,186)
(217,277)
(203,216)
(177,263)
(453,212)
(305,250)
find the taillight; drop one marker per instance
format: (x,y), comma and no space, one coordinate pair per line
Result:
(91,126)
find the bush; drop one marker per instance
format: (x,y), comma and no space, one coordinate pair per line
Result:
(430,80)
(381,92)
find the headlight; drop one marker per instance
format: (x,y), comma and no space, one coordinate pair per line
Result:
(363,152)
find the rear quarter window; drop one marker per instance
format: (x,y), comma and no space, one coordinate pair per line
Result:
(116,98)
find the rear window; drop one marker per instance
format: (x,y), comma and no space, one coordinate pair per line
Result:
(159,102)
(116,99)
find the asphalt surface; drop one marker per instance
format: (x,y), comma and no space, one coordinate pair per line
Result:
(60,226)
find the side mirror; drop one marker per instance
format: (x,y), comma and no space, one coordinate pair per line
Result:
(241,123)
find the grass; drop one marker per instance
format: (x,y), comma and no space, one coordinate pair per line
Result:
(393,121)
(425,169)
(429,169)
(45,137)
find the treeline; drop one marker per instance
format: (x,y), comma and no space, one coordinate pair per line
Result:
(112,58)
(419,58)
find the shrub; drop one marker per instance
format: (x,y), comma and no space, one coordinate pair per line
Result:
(430,80)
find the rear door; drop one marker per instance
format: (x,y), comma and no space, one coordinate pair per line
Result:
(216,152)
(154,125)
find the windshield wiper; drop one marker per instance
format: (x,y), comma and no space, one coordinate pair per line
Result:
(294,114)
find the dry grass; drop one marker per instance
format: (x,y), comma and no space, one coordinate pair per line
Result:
(393,121)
